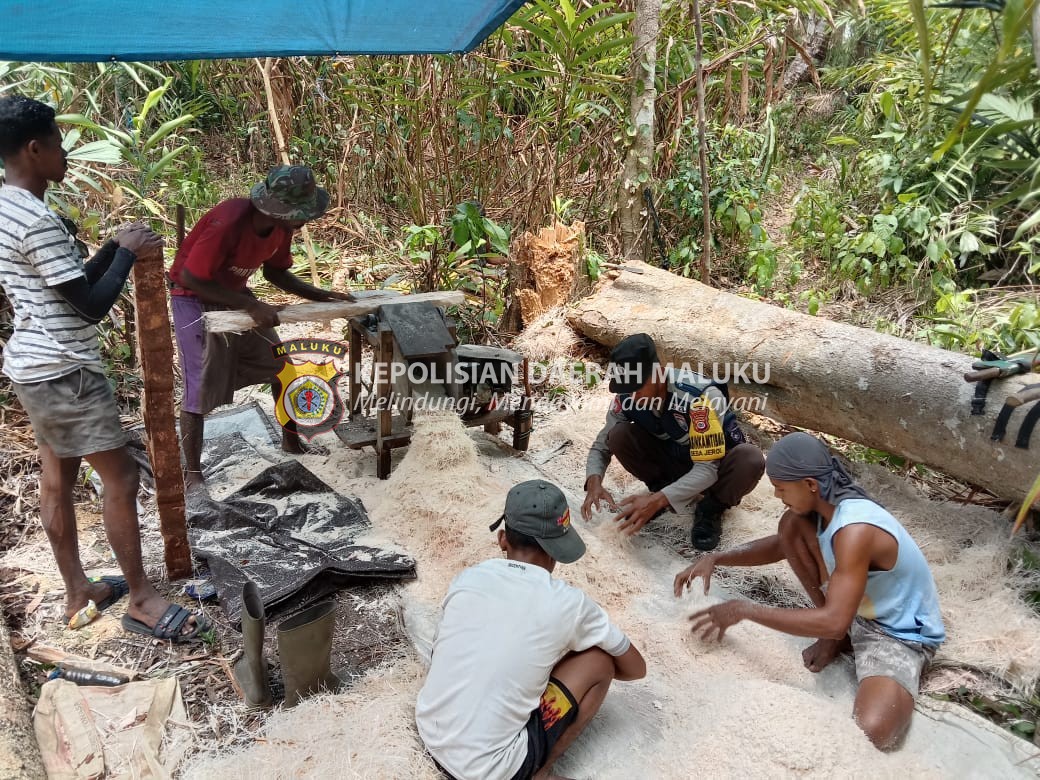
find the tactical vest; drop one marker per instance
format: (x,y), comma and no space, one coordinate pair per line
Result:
(685,391)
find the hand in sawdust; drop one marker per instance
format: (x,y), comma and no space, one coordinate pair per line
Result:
(637,511)
(717,618)
(704,568)
(596,493)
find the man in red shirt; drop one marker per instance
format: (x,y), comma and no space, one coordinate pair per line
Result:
(211,271)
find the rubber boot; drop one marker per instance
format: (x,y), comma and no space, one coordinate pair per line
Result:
(305,650)
(707,523)
(251,668)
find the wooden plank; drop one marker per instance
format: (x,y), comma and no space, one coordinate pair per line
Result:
(155,355)
(240,321)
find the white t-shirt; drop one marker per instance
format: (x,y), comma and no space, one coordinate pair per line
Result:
(36,254)
(506,624)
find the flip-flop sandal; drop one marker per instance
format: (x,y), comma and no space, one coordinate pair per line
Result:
(118,586)
(169,625)
(88,614)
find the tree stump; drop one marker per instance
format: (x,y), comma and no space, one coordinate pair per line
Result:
(546,271)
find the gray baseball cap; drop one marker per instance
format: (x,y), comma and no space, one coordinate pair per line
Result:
(539,509)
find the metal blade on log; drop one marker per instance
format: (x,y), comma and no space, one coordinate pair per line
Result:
(894,395)
(239,321)
(155,353)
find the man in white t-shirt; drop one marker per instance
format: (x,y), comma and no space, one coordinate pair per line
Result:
(521,662)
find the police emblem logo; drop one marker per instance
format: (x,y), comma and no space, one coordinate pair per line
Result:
(308,395)
(699,418)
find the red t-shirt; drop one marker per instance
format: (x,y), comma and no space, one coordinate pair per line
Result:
(223,248)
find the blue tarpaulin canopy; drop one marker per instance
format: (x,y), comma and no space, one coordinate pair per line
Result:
(143,30)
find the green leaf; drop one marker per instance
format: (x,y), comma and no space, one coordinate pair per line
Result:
(78,120)
(150,102)
(158,167)
(104,152)
(165,129)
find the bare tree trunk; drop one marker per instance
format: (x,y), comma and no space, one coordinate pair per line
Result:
(817,37)
(639,160)
(702,152)
(895,395)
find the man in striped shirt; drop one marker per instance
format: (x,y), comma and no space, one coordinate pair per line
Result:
(54,364)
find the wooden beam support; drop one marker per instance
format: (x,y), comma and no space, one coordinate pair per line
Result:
(155,356)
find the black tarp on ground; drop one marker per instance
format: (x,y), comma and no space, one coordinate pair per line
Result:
(291,534)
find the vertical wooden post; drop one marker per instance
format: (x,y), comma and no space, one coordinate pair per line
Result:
(354,379)
(155,356)
(385,416)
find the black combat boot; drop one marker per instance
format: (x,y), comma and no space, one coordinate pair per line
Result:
(707,523)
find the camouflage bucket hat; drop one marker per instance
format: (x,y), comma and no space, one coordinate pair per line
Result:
(290,192)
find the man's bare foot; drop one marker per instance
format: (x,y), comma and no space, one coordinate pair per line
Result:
(193,480)
(819,655)
(151,609)
(95,591)
(291,443)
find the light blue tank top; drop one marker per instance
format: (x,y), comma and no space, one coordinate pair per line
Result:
(902,601)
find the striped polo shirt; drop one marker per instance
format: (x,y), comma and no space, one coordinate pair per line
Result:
(37,253)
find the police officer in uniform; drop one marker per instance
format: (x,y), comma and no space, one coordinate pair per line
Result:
(673,430)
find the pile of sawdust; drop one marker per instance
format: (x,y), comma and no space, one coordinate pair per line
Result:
(743,707)
(548,337)
(367,732)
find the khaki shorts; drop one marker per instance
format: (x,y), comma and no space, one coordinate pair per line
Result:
(878,654)
(74,415)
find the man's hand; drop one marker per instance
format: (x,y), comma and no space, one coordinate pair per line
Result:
(141,241)
(703,568)
(594,495)
(637,511)
(264,314)
(334,295)
(718,618)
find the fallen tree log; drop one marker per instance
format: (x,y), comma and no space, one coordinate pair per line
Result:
(888,393)
(366,303)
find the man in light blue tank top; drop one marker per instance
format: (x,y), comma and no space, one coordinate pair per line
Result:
(870,585)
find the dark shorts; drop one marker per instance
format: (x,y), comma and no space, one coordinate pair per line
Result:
(74,415)
(556,711)
(215,365)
